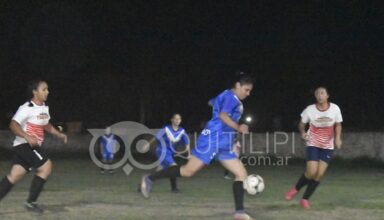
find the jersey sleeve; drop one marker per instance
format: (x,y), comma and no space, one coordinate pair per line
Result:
(305,116)
(21,115)
(228,104)
(338,116)
(159,135)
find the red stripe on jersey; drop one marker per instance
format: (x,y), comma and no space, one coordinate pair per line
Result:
(322,137)
(36,131)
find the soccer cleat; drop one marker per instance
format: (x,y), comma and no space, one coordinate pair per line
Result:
(242,215)
(305,203)
(146,186)
(291,194)
(33,207)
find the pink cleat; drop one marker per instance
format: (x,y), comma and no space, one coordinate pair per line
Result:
(305,203)
(291,194)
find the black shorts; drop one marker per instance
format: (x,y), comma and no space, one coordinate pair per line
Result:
(29,157)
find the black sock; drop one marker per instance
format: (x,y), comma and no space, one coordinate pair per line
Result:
(173,183)
(36,187)
(302,182)
(226,173)
(238,194)
(312,185)
(5,187)
(170,172)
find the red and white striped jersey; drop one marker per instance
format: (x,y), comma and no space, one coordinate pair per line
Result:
(321,125)
(32,119)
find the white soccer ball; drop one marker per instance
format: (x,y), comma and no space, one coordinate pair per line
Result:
(254,184)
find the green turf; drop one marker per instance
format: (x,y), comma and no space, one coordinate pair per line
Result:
(76,190)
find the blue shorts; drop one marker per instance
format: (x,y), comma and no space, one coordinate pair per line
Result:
(214,147)
(316,154)
(168,159)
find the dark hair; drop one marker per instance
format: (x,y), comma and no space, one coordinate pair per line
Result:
(243,79)
(33,85)
(321,87)
(174,114)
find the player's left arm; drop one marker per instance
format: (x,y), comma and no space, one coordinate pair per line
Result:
(338,129)
(52,130)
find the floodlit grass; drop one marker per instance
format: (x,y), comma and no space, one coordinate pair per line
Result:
(76,190)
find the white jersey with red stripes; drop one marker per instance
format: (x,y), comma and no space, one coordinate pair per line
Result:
(32,119)
(321,130)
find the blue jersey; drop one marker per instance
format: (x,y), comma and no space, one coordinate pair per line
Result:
(109,144)
(226,102)
(172,138)
(216,140)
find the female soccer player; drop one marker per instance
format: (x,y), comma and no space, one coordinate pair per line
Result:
(324,133)
(215,143)
(29,124)
(173,135)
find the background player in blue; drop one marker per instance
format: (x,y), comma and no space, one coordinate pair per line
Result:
(215,143)
(174,137)
(108,145)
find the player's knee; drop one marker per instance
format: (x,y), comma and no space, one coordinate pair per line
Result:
(45,170)
(319,176)
(14,178)
(311,174)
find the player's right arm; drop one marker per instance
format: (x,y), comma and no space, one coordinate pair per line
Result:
(15,126)
(304,120)
(242,128)
(302,131)
(18,131)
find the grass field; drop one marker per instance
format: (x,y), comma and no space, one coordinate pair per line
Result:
(76,190)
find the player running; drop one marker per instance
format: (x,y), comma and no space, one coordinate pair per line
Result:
(29,125)
(324,133)
(215,143)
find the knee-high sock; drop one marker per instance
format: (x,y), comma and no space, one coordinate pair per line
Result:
(301,182)
(170,172)
(312,185)
(36,188)
(238,194)
(173,183)
(5,187)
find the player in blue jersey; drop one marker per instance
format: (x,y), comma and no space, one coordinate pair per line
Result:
(108,147)
(169,140)
(215,143)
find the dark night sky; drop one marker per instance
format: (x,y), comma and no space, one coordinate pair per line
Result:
(103,58)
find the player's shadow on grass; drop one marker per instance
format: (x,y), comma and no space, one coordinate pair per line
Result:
(62,207)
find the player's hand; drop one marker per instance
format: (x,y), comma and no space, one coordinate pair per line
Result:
(305,136)
(32,141)
(63,137)
(244,129)
(338,143)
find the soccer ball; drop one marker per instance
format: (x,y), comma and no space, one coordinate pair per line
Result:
(254,184)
